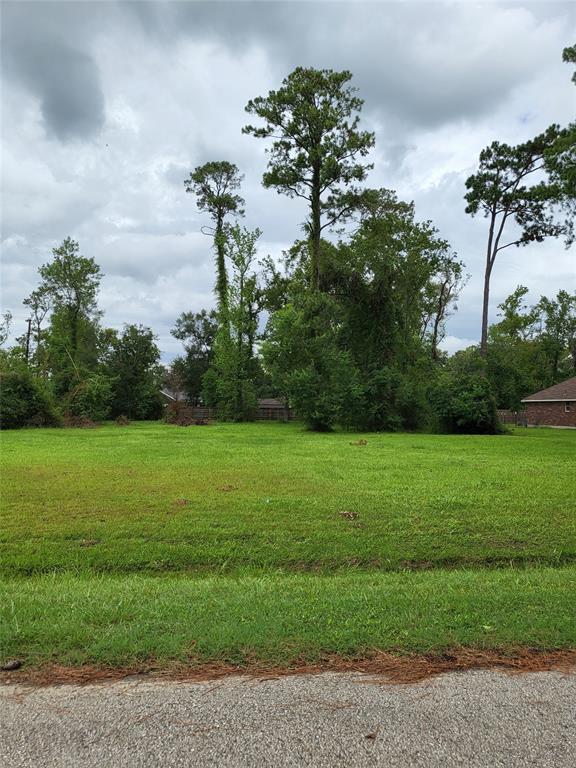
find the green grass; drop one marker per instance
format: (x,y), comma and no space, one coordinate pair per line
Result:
(267,497)
(101,562)
(123,620)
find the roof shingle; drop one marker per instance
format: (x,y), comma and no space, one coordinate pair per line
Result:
(565,390)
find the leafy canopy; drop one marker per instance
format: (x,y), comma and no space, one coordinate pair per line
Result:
(215,185)
(500,188)
(71,280)
(313,119)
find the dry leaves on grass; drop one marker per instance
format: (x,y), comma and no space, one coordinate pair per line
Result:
(379,667)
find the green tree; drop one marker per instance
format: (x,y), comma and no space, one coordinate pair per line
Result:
(514,360)
(90,399)
(558,335)
(518,319)
(569,56)
(365,347)
(72,282)
(313,119)
(560,161)
(216,186)
(133,366)
(197,331)
(465,403)
(231,383)
(530,348)
(39,304)
(397,279)
(439,300)
(303,353)
(25,402)
(63,369)
(500,192)
(5,323)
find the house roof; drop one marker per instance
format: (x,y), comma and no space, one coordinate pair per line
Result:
(270,402)
(565,390)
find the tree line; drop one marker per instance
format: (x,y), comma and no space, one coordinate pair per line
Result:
(66,366)
(347,328)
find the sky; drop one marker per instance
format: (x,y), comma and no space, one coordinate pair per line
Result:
(108,106)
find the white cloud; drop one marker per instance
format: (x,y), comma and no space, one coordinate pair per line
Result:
(453,344)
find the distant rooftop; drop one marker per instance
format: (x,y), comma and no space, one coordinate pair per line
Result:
(565,390)
(270,402)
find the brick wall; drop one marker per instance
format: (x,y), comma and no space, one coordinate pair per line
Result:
(551,414)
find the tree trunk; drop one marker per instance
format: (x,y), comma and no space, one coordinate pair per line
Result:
(490,255)
(221,276)
(240,356)
(315,231)
(485,303)
(28,333)
(74,333)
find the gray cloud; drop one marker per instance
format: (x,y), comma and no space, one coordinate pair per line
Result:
(416,63)
(68,84)
(138,94)
(65,79)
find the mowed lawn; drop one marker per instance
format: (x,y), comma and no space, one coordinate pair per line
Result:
(223,498)
(226,542)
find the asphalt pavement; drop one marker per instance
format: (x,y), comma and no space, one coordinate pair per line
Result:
(479,718)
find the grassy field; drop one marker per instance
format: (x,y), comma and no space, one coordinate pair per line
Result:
(225,542)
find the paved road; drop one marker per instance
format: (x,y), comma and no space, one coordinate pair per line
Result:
(472,719)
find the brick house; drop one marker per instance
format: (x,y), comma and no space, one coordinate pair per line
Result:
(553,407)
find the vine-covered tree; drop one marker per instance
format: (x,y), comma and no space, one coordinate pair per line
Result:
(398,279)
(70,284)
(230,383)
(216,186)
(313,118)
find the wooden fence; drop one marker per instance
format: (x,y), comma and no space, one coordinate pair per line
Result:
(518,418)
(180,413)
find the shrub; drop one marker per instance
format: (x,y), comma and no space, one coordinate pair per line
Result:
(24,402)
(464,403)
(90,399)
(394,401)
(327,391)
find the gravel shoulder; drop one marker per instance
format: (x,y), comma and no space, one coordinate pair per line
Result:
(478,718)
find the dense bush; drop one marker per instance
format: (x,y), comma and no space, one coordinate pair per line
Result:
(133,367)
(464,403)
(24,402)
(327,391)
(90,399)
(394,401)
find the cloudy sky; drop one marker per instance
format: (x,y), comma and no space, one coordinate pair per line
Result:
(107,106)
